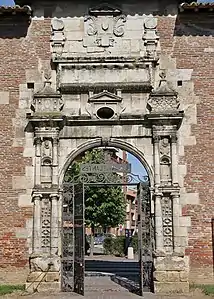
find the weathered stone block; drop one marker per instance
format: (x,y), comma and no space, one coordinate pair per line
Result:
(35,276)
(51,277)
(160,276)
(189,199)
(171,263)
(184,276)
(43,286)
(171,287)
(4,97)
(173,276)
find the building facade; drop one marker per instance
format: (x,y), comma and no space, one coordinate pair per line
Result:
(137,76)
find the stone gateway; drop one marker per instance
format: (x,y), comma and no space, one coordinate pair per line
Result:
(133,75)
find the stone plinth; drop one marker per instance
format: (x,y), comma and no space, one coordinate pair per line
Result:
(44,274)
(171,274)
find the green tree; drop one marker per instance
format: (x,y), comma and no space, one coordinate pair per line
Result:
(105,206)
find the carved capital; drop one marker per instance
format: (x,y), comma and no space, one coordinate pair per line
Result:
(156,138)
(55,141)
(174,138)
(37,197)
(54,196)
(37,140)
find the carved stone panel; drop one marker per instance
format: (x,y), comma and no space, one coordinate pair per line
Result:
(165,162)
(46,225)
(166,205)
(151,38)
(102,26)
(46,165)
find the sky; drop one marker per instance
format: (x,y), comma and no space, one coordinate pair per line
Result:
(6,2)
(11,2)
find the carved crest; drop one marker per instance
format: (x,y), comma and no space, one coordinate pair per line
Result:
(103,23)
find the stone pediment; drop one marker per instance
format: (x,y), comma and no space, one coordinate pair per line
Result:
(105,97)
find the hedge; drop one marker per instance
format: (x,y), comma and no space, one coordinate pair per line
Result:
(116,246)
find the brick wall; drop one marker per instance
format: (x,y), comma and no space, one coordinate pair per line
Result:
(22,52)
(192,51)
(18,52)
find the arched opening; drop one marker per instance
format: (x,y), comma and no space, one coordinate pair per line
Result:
(107,213)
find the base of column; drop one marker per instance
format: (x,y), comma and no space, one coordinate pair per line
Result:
(44,273)
(171,274)
(33,287)
(171,287)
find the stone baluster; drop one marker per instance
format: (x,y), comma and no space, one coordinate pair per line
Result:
(158,223)
(55,161)
(174,160)
(54,223)
(156,160)
(37,223)
(38,143)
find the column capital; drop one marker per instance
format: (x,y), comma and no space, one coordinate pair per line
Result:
(175,195)
(158,194)
(53,196)
(36,196)
(156,138)
(174,137)
(55,140)
(37,140)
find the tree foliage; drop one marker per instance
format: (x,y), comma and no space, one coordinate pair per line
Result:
(105,206)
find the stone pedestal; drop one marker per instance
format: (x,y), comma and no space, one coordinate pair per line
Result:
(44,274)
(171,274)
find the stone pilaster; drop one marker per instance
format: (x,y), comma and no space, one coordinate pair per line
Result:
(176,224)
(158,223)
(55,161)
(174,160)
(38,143)
(54,224)
(37,224)
(156,140)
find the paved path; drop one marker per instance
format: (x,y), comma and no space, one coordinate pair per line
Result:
(102,288)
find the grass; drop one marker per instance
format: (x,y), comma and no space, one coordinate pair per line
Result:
(8,289)
(207,289)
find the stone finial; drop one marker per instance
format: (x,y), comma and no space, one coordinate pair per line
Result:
(163,99)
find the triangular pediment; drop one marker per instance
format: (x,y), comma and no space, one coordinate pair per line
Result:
(104,9)
(105,96)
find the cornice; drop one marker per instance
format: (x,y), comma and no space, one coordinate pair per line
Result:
(16,10)
(124,86)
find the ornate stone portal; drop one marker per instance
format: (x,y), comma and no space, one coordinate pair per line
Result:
(111,99)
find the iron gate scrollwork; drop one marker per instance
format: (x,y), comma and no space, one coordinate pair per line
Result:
(145,237)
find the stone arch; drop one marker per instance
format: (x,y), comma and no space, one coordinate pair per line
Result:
(118,143)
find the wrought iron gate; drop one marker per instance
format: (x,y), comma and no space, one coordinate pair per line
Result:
(74,235)
(145,238)
(73,238)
